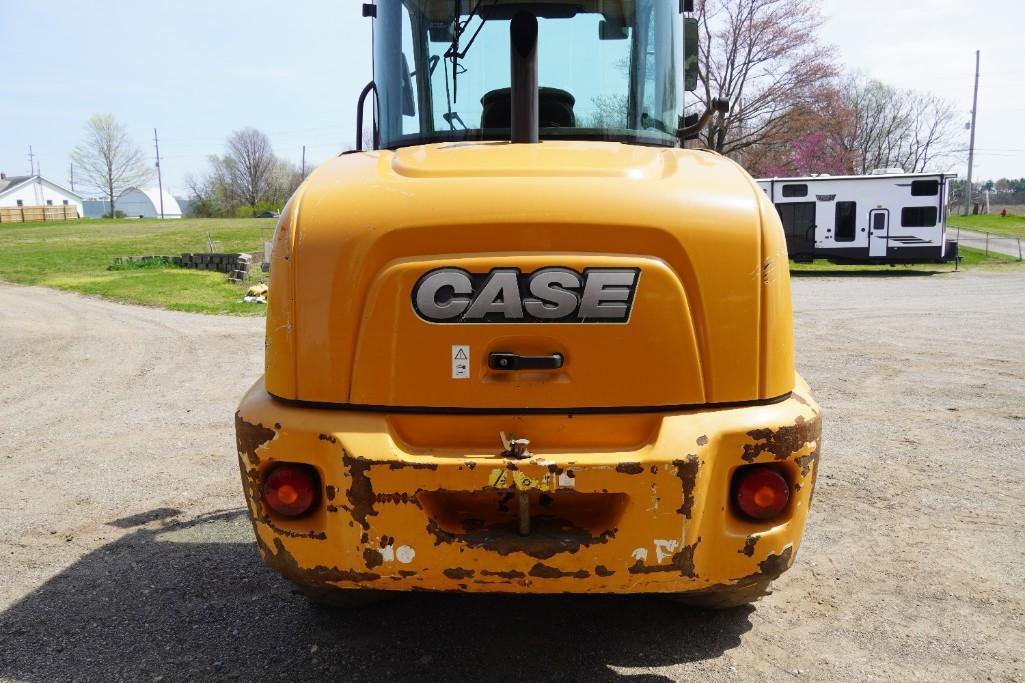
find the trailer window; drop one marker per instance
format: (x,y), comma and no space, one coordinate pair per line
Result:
(846,220)
(925,188)
(918,216)
(795,190)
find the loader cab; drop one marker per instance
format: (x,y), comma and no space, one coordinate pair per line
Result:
(606,70)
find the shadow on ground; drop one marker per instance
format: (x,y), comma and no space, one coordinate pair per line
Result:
(192,600)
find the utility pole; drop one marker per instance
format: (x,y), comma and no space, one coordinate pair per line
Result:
(304,163)
(160,179)
(71,168)
(31,161)
(971,145)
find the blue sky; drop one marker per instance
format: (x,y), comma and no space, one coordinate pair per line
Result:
(198,70)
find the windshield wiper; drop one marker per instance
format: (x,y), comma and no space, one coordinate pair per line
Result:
(453,52)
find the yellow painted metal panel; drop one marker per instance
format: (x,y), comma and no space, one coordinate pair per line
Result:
(696,212)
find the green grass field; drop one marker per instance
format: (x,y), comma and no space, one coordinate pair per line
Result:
(1011,225)
(75,255)
(971,259)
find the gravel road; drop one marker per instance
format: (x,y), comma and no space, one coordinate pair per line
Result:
(126,555)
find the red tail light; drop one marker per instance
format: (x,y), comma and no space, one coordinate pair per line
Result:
(291,489)
(760,492)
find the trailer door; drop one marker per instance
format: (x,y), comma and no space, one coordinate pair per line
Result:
(878,239)
(846,237)
(798,220)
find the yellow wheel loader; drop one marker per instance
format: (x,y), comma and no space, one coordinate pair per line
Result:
(526,342)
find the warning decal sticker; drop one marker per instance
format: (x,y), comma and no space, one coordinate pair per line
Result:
(460,362)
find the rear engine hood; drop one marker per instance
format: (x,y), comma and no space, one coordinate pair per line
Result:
(397,275)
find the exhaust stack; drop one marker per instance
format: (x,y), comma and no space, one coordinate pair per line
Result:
(524,94)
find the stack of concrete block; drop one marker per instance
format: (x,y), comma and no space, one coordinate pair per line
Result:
(235,265)
(242,265)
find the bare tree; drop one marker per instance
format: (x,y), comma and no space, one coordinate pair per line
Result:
(246,177)
(765,57)
(108,160)
(610,111)
(889,127)
(250,164)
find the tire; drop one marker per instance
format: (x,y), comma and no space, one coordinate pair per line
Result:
(726,598)
(340,598)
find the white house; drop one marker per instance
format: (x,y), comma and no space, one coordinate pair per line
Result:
(144,202)
(34,190)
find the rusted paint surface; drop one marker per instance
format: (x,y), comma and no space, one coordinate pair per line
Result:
(252,483)
(458,573)
(548,536)
(543,571)
(510,574)
(406,465)
(329,492)
(807,462)
(782,442)
(703,440)
(397,498)
(749,546)
(249,437)
(774,565)
(629,468)
(361,491)
(327,437)
(682,562)
(372,558)
(282,561)
(687,472)
(768,569)
(603,571)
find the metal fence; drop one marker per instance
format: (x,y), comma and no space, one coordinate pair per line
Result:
(991,243)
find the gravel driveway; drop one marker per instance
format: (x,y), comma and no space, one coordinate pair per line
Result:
(125,552)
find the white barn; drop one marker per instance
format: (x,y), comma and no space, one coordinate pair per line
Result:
(34,190)
(144,202)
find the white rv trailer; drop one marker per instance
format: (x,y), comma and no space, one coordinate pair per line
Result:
(880,218)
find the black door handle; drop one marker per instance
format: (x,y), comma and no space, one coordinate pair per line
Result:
(503,360)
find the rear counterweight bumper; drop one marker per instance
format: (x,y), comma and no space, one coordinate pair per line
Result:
(645,514)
